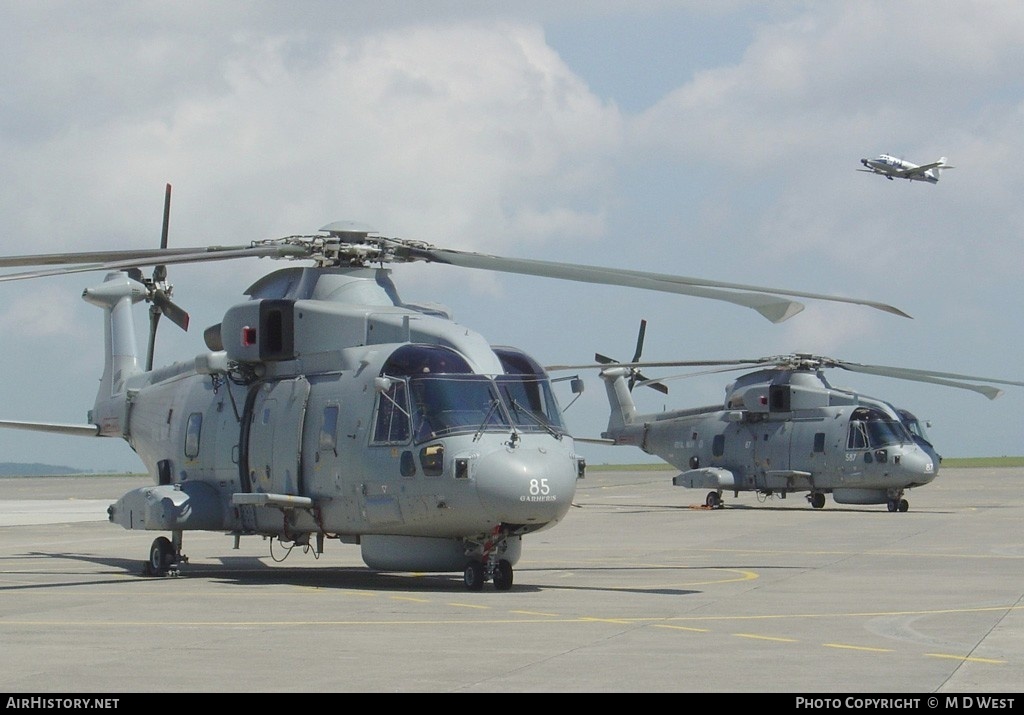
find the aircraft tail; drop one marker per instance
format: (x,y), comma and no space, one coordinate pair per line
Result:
(623,409)
(940,165)
(116,295)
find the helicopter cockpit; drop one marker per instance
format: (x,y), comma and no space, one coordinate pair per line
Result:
(430,391)
(872,429)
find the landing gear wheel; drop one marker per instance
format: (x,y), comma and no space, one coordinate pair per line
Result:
(474,576)
(904,505)
(714,500)
(161,556)
(817,500)
(503,575)
(893,505)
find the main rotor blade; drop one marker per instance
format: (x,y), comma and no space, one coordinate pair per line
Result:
(671,363)
(654,380)
(950,379)
(142,255)
(120,260)
(755,297)
(774,309)
(909,373)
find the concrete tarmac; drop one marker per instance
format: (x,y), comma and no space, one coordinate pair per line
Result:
(639,589)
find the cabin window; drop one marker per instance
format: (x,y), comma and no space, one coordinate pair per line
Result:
(432,459)
(718,445)
(193,428)
(819,442)
(329,430)
(392,423)
(407,465)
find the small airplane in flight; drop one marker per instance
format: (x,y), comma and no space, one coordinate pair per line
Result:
(892,168)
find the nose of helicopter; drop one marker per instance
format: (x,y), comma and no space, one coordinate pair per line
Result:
(526,486)
(919,465)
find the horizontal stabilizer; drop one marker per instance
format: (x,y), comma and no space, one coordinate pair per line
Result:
(593,440)
(78,430)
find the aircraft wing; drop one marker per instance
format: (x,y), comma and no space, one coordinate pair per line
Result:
(923,168)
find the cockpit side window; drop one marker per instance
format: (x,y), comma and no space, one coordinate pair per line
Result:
(527,392)
(858,438)
(870,428)
(392,423)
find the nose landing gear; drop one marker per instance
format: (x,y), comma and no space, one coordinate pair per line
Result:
(477,573)
(898,504)
(489,565)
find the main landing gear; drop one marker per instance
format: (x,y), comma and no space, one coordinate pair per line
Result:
(713,500)
(816,500)
(165,556)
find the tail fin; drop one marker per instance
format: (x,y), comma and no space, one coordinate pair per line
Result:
(116,295)
(623,409)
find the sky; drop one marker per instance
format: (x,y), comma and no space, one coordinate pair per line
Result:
(716,140)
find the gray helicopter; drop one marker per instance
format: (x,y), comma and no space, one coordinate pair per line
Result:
(325,407)
(782,429)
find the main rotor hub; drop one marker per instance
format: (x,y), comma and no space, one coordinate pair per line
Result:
(349,244)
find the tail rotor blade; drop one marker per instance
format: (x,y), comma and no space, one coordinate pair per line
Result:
(160,271)
(177,314)
(154,318)
(160,291)
(635,374)
(654,385)
(167,216)
(640,341)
